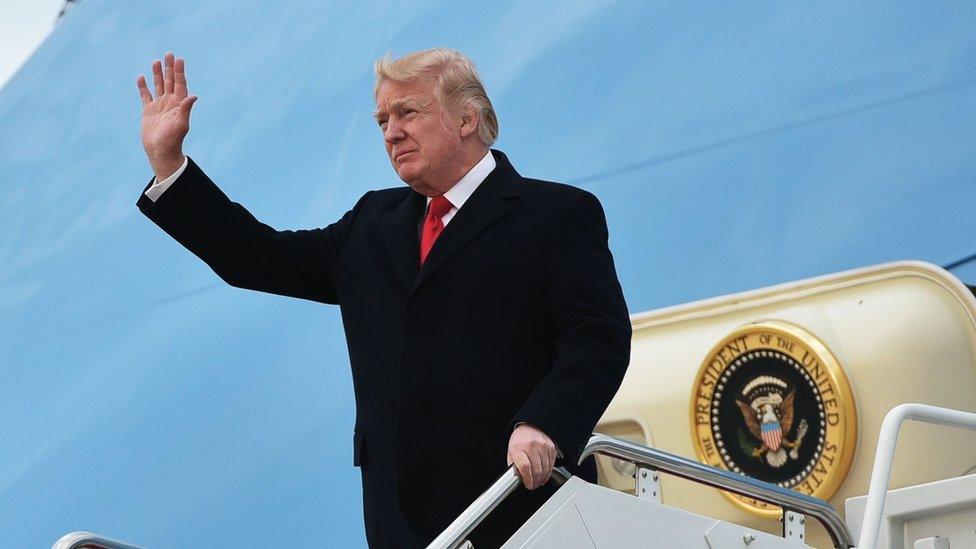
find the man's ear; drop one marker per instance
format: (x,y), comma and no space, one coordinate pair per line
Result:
(469,122)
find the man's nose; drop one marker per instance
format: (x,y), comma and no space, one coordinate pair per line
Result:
(393,132)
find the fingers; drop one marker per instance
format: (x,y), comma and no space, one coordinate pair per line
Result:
(157,70)
(524,467)
(168,79)
(531,468)
(548,460)
(179,78)
(143,90)
(169,76)
(537,472)
(533,453)
(186,104)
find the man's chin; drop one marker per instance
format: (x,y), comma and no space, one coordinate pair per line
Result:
(410,177)
(406,176)
(421,187)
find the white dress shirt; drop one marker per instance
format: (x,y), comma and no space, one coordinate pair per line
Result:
(159,187)
(463,189)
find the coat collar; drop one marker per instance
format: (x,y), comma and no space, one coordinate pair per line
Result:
(485,206)
(400,234)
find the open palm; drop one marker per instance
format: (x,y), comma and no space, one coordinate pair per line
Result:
(165,119)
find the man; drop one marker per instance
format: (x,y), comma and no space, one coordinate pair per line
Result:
(483,316)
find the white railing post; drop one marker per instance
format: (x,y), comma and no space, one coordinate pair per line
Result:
(881,473)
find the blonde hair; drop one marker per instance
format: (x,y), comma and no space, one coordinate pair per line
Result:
(458,85)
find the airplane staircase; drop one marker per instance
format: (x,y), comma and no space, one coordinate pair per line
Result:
(584,515)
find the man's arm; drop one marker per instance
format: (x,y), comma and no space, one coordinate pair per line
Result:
(186,204)
(593,327)
(243,251)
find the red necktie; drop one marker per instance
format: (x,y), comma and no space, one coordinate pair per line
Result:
(433,226)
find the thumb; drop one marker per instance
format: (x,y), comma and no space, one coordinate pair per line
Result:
(186,104)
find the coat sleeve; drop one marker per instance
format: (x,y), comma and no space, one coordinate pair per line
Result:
(243,251)
(593,330)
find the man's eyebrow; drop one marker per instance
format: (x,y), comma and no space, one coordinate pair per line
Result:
(399,104)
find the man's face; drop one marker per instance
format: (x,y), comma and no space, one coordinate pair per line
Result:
(422,137)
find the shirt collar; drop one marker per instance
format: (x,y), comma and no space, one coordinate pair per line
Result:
(463,189)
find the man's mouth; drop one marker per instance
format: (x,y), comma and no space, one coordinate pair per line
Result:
(399,155)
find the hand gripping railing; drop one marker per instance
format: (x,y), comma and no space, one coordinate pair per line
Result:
(789,500)
(725,480)
(79,540)
(458,531)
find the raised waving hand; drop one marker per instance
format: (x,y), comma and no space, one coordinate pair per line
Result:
(165,118)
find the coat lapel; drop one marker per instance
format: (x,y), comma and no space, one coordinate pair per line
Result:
(400,234)
(484,207)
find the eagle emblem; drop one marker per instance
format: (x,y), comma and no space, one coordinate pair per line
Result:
(766,404)
(771,402)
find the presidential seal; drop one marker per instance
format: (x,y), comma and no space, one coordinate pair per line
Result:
(770,401)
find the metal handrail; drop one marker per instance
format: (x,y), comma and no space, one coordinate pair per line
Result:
(458,530)
(881,472)
(78,540)
(725,480)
